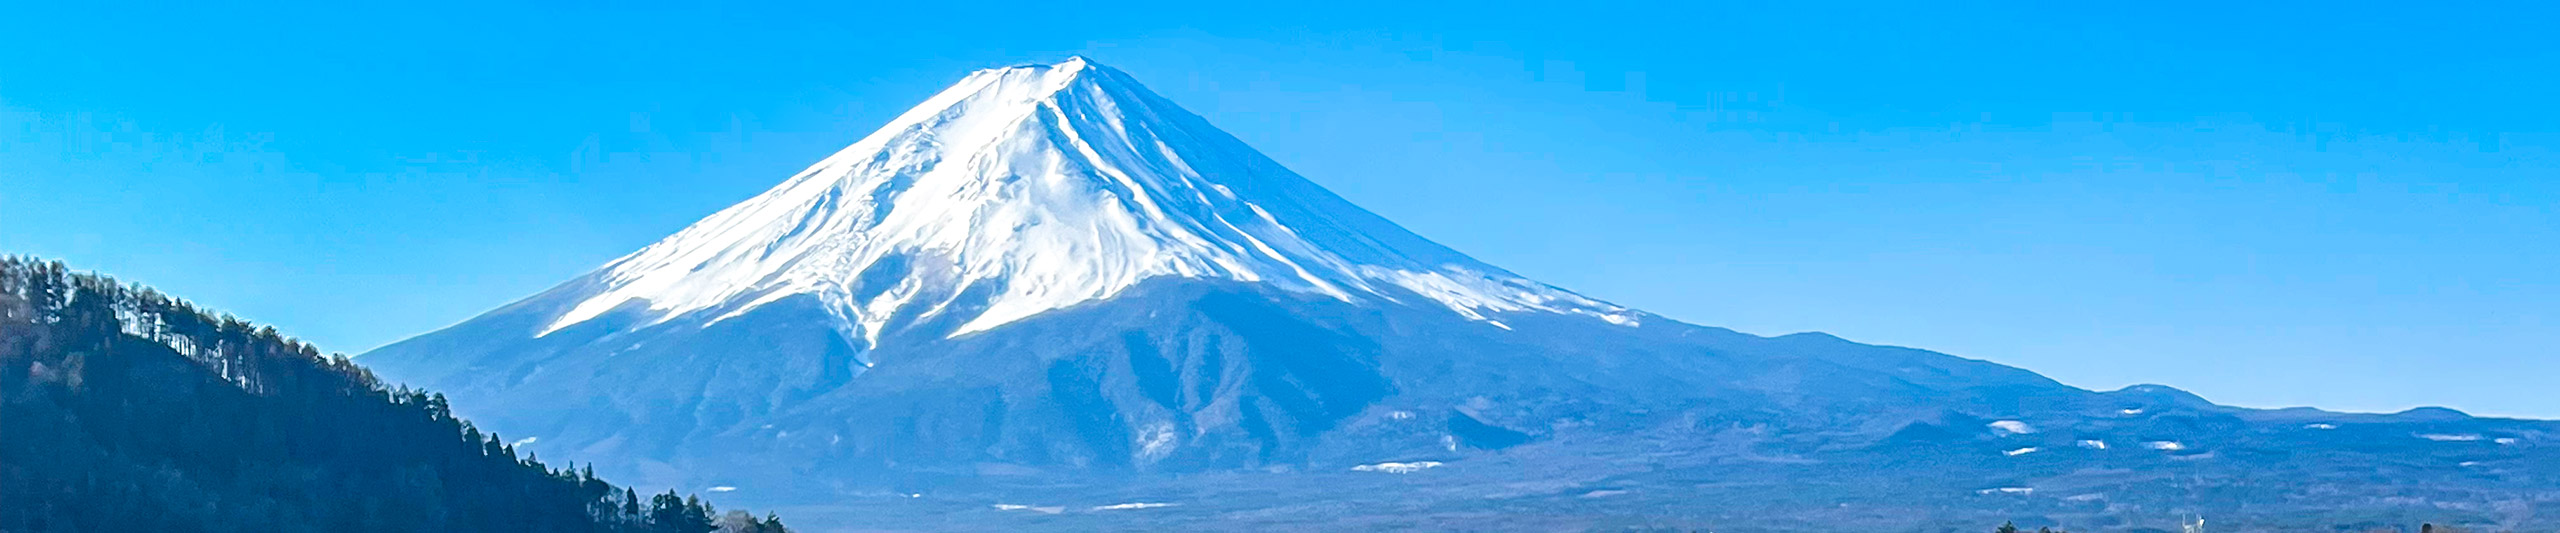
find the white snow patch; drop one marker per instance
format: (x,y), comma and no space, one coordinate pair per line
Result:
(2008,490)
(1133,505)
(2013,427)
(2130,411)
(2322,426)
(2508,441)
(1603,493)
(2020,451)
(2165,445)
(1399,415)
(2094,444)
(2447,437)
(722,488)
(1472,293)
(1398,468)
(1041,510)
(1156,442)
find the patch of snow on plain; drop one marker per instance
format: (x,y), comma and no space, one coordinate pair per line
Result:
(1041,510)
(2020,451)
(2322,426)
(2165,445)
(1398,468)
(2013,427)
(2008,490)
(2130,411)
(2094,444)
(1133,505)
(2443,437)
(2507,441)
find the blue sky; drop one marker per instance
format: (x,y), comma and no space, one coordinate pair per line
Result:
(2342,205)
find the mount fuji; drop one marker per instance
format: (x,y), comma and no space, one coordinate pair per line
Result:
(1048,297)
(1025,190)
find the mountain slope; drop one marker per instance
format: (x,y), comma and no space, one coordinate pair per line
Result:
(125,410)
(1048,276)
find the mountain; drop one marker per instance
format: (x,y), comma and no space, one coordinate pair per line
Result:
(1048,283)
(128,410)
(1025,190)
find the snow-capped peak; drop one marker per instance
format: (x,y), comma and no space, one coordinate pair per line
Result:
(1026,189)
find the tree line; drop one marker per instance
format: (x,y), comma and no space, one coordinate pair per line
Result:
(124,409)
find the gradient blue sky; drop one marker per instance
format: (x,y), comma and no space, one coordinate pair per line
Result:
(2342,205)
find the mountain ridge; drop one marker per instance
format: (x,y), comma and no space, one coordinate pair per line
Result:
(130,410)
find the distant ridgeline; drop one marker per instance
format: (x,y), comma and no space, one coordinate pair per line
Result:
(122,409)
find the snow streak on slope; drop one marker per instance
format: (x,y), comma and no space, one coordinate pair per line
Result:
(1027,189)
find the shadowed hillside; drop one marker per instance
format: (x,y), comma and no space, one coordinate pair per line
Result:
(128,410)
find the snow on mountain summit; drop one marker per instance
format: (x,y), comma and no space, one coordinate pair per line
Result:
(1027,189)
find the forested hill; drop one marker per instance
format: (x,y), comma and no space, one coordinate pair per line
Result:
(122,409)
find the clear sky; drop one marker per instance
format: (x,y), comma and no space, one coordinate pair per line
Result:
(2343,205)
